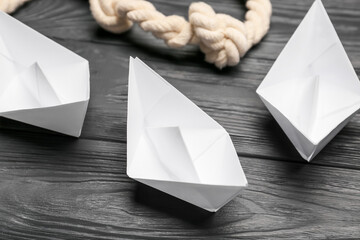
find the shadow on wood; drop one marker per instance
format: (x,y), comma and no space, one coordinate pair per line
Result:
(282,143)
(16,126)
(170,205)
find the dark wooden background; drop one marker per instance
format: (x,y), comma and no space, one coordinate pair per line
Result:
(58,187)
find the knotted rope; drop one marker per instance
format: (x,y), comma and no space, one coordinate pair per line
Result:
(222,38)
(11,5)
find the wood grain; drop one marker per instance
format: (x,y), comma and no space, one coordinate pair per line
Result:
(58,187)
(79,189)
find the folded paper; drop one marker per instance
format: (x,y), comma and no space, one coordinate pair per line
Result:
(175,147)
(41,82)
(312,89)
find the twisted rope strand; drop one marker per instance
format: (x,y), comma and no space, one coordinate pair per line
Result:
(11,5)
(222,38)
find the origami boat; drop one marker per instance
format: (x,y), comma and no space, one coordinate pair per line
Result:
(175,147)
(312,89)
(41,82)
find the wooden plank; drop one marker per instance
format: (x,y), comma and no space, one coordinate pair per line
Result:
(65,188)
(72,20)
(66,18)
(58,187)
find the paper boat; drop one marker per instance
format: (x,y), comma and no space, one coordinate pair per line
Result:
(41,82)
(175,147)
(312,89)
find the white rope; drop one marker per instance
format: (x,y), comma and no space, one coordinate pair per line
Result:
(11,5)
(222,38)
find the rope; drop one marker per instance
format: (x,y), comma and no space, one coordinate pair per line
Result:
(222,38)
(11,5)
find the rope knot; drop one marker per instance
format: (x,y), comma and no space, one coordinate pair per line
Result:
(222,38)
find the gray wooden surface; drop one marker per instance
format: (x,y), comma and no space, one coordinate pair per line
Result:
(58,187)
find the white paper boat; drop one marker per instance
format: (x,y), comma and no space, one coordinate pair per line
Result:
(175,147)
(41,82)
(312,89)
